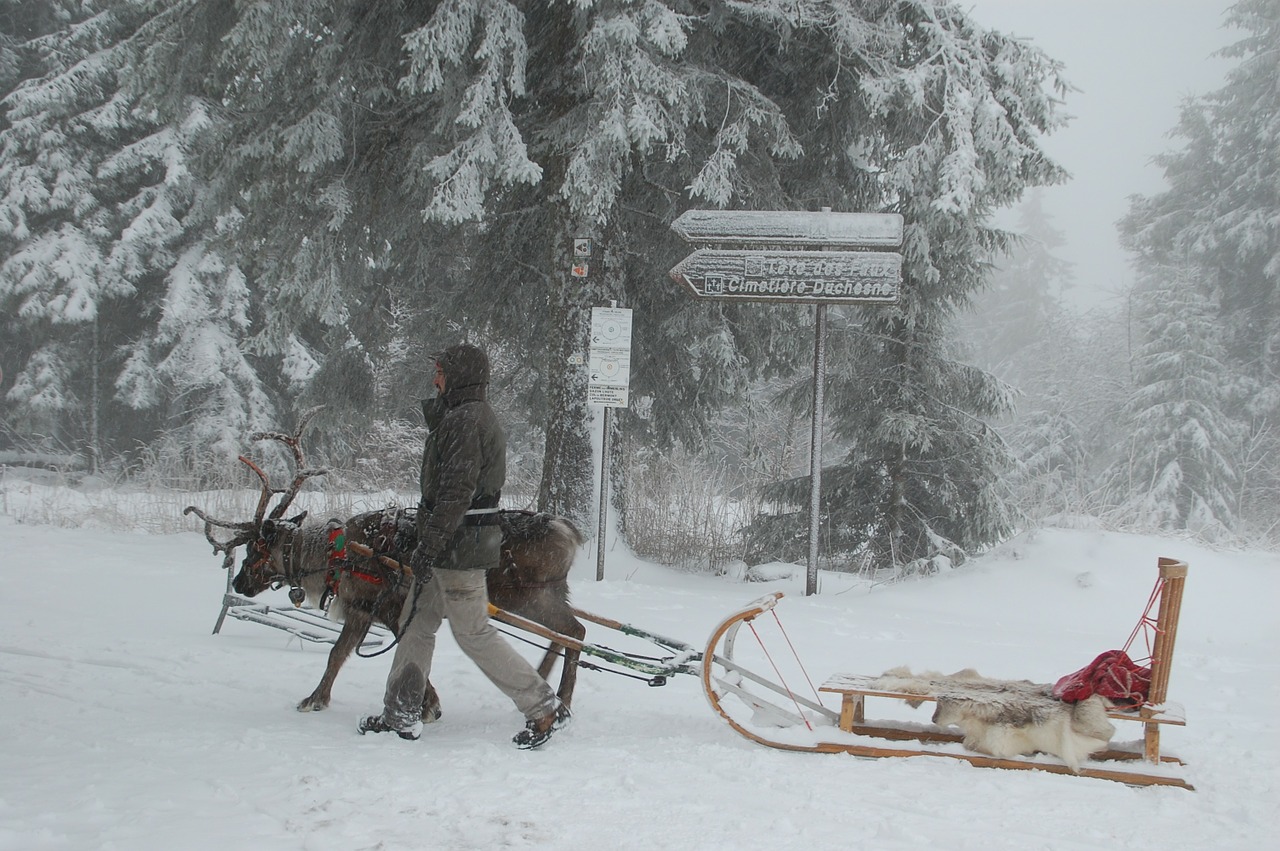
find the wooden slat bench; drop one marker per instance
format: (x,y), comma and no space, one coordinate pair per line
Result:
(1157,712)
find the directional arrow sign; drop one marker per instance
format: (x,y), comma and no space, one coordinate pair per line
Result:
(815,277)
(791,227)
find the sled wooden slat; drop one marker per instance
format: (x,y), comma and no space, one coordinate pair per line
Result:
(854,689)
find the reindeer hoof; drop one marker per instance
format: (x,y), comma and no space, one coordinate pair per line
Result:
(311,704)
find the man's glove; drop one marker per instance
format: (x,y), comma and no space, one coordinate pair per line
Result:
(421,562)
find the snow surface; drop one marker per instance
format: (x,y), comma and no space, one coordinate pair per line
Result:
(129,726)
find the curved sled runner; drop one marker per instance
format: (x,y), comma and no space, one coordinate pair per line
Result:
(767,711)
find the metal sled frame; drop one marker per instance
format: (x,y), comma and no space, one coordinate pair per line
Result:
(785,724)
(683,658)
(307,624)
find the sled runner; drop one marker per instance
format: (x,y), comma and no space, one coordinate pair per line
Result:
(768,711)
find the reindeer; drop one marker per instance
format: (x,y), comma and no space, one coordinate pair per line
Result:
(318,563)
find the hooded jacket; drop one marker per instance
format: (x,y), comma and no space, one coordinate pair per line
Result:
(464,465)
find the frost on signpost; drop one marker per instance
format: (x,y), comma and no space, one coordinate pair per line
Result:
(790,256)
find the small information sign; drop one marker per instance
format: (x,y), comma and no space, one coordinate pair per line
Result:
(609,361)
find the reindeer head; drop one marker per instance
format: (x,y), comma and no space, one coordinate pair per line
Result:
(267,536)
(265,564)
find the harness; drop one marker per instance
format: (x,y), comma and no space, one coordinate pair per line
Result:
(483,510)
(339,564)
(288,573)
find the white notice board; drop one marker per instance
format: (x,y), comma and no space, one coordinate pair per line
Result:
(609,363)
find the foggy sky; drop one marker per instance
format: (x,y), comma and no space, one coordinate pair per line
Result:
(1133,62)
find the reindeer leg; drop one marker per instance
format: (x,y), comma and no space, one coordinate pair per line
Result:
(569,674)
(430,705)
(568,625)
(354,630)
(549,661)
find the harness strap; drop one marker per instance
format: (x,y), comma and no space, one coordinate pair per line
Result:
(483,511)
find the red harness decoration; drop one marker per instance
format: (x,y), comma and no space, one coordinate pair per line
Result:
(1113,674)
(340,564)
(337,543)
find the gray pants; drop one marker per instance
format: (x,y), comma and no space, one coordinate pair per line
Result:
(461,596)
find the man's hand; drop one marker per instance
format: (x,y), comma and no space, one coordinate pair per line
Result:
(421,562)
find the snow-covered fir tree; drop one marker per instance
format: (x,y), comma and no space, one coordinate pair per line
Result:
(1010,321)
(1017,328)
(55,279)
(944,127)
(1218,219)
(100,207)
(1175,469)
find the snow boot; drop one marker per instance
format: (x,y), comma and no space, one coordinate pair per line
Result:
(537,731)
(379,724)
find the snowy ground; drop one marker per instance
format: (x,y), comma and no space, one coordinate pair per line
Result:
(129,726)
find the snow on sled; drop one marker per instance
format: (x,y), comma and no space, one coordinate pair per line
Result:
(987,723)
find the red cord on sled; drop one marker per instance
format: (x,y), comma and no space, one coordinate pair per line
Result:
(1113,674)
(778,673)
(1147,624)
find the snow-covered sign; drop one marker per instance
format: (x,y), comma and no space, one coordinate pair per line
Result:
(609,367)
(791,227)
(833,277)
(791,255)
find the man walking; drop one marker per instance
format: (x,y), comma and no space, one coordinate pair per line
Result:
(463,470)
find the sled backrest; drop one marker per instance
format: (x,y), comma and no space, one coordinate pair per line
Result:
(1173,575)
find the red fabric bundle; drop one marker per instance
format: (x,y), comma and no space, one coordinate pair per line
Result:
(1113,675)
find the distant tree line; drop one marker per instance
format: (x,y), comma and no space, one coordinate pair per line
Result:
(1163,411)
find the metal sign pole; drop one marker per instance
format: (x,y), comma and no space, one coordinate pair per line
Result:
(605,446)
(815,444)
(817,258)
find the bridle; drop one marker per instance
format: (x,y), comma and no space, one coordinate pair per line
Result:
(259,559)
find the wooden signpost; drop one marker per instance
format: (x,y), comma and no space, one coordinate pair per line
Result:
(790,256)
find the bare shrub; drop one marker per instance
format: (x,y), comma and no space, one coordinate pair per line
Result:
(390,457)
(676,513)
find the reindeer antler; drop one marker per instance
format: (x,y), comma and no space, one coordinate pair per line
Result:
(302,473)
(247,532)
(244,533)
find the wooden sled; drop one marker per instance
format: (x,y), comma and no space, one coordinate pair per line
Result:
(770,713)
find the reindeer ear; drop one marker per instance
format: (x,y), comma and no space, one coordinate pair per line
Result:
(297,519)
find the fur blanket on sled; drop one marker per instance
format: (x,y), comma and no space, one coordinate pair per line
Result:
(1006,718)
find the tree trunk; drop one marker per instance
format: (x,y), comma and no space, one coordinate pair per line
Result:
(95,403)
(566,484)
(896,464)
